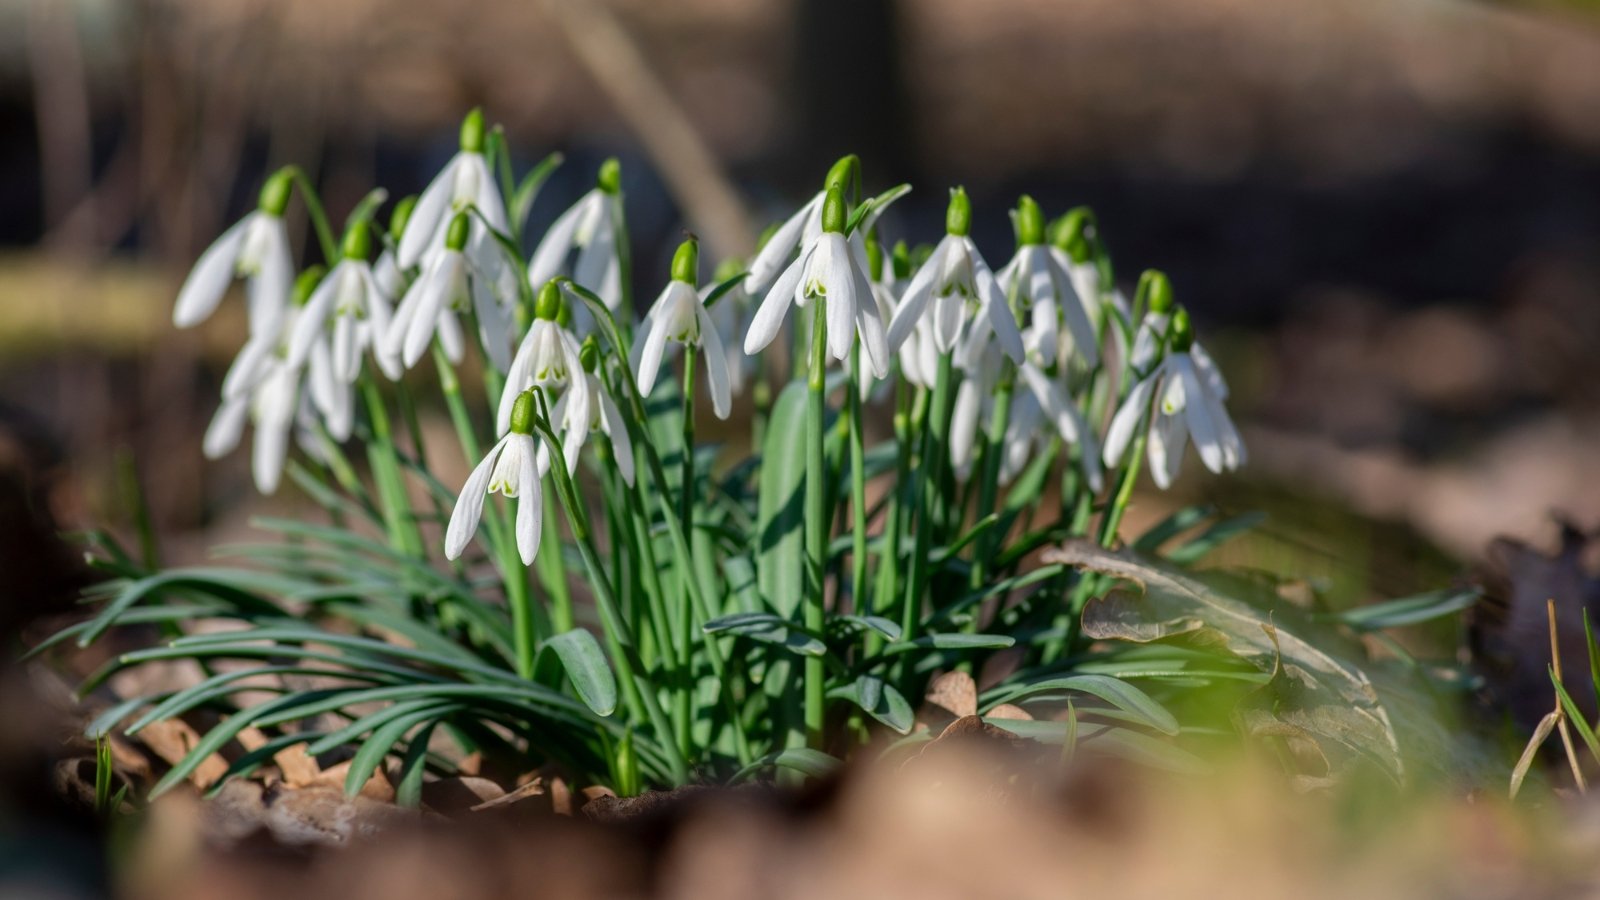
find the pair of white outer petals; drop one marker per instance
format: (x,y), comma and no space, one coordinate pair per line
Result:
(1043,402)
(449,282)
(832,269)
(590,225)
(511,468)
(359,309)
(1037,276)
(680,316)
(255,248)
(1184,406)
(548,357)
(954,273)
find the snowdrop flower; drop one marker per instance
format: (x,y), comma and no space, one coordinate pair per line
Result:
(510,469)
(270,406)
(351,299)
(962,289)
(1184,405)
(798,231)
(592,226)
(255,249)
(1157,290)
(827,269)
(604,417)
(430,306)
(464,183)
(549,357)
(680,317)
(1040,407)
(1041,285)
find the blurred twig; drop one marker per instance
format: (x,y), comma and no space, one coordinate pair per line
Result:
(691,171)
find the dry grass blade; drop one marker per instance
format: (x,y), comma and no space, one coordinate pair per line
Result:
(1561,718)
(1530,752)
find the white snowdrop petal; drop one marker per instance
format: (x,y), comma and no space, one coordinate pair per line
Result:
(530,506)
(716,365)
(226,428)
(428,215)
(202,291)
(469,505)
(964,423)
(1127,419)
(768,320)
(556,244)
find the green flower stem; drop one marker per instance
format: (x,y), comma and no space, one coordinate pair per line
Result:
(630,670)
(859,592)
(552,570)
(319,218)
(683,707)
(385,462)
(816,534)
(889,558)
(989,483)
(927,492)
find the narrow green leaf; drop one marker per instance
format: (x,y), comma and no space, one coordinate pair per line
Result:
(1114,691)
(1213,537)
(780,508)
(587,668)
(1575,714)
(1410,610)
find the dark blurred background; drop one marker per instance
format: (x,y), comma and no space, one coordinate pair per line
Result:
(1384,213)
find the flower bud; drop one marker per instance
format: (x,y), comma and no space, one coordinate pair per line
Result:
(1070,234)
(958,218)
(1182,331)
(357,242)
(456,238)
(472,132)
(1029,220)
(833,211)
(275,193)
(1156,290)
(401,216)
(842,173)
(900,257)
(589,354)
(610,177)
(686,262)
(547,305)
(874,258)
(522,413)
(306,284)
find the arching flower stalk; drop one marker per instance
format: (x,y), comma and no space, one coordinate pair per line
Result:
(1044,291)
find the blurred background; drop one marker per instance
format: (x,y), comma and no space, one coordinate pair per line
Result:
(1384,213)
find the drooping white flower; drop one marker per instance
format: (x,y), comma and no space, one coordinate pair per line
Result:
(350,298)
(604,417)
(464,183)
(431,305)
(549,357)
(798,231)
(1180,404)
(1039,284)
(1040,407)
(679,317)
(591,226)
(510,468)
(962,289)
(269,405)
(1147,345)
(831,270)
(255,249)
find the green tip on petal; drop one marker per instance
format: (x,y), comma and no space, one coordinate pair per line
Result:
(833,211)
(610,177)
(843,171)
(306,284)
(522,413)
(727,269)
(472,134)
(1030,222)
(1182,331)
(547,305)
(686,262)
(456,238)
(900,257)
(275,193)
(401,215)
(874,257)
(589,354)
(1157,291)
(958,218)
(357,242)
